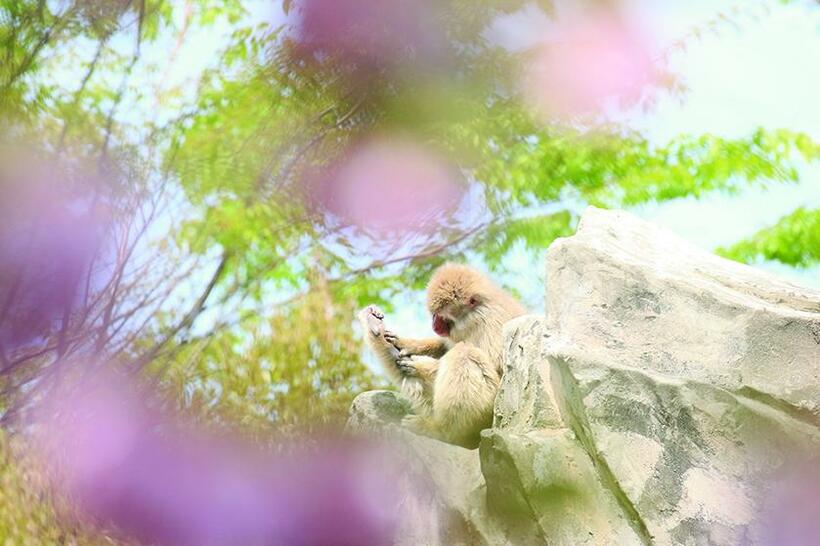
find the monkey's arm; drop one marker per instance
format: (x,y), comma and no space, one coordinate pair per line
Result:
(415,384)
(434,347)
(372,320)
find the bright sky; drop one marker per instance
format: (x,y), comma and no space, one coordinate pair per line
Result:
(765,73)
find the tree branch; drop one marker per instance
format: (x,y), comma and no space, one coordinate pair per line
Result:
(189,317)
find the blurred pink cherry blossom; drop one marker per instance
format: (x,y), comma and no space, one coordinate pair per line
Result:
(791,514)
(588,59)
(389,184)
(147,475)
(51,229)
(371,34)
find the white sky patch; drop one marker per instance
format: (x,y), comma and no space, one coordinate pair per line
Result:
(765,73)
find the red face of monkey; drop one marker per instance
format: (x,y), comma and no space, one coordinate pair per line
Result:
(453,296)
(445,319)
(441,325)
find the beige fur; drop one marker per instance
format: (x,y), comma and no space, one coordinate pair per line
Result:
(452,381)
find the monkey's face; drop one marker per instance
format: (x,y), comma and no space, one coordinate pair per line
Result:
(453,315)
(454,298)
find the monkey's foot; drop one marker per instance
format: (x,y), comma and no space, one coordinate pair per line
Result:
(373,318)
(419,425)
(413,422)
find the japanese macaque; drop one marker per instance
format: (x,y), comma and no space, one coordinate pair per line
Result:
(452,380)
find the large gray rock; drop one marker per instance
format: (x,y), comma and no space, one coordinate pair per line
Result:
(665,398)
(690,378)
(631,294)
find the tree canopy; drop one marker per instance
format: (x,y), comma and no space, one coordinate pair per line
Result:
(221,269)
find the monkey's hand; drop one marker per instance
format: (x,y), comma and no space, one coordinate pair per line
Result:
(422,367)
(413,422)
(406,366)
(401,346)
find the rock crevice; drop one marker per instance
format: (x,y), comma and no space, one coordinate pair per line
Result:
(566,390)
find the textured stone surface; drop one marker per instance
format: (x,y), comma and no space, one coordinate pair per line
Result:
(668,396)
(525,401)
(377,408)
(544,487)
(631,294)
(694,378)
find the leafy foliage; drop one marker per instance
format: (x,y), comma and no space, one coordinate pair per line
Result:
(296,368)
(28,515)
(793,240)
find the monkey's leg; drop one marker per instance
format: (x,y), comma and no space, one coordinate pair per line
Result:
(464,394)
(418,391)
(422,369)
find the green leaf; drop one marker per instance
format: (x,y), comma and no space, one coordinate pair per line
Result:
(793,240)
